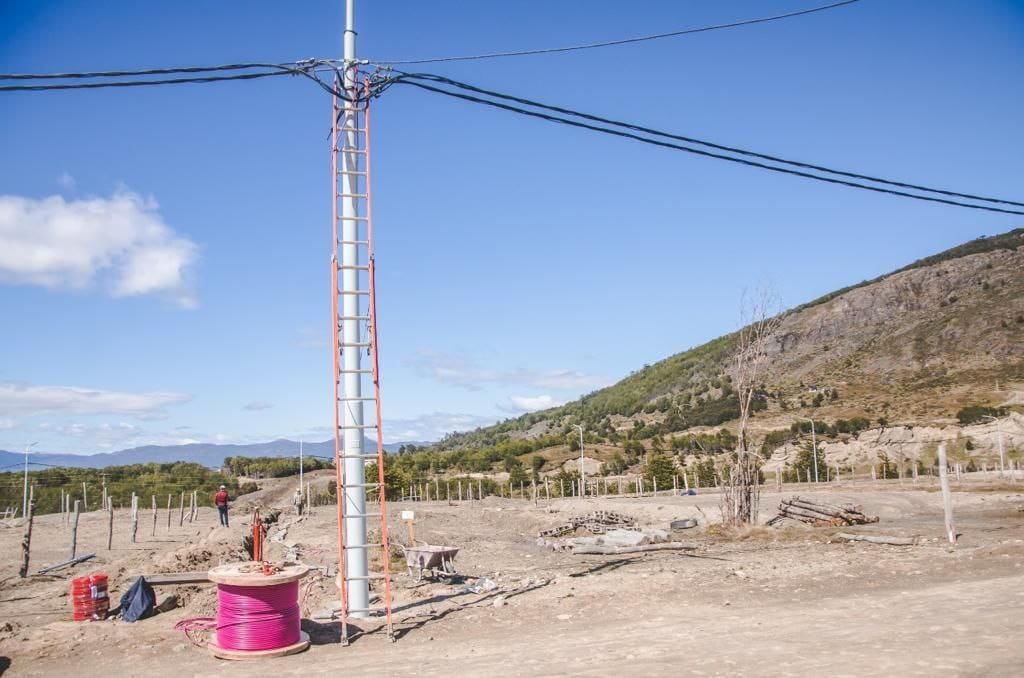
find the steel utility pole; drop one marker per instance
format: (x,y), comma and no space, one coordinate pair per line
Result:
(814,448)
(583,474)
(356,560)
(24,491)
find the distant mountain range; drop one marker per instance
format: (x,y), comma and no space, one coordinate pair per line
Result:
(207,454)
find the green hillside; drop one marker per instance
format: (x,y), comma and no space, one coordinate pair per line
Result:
(692,388)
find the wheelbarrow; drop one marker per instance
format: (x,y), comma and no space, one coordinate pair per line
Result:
(434,559)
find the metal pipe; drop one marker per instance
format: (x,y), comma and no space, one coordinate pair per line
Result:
(356,561)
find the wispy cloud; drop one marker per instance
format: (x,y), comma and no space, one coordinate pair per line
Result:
(66,181)
(121,241)
(313,338)
(6,424)
(17,399)
(461,371)
(257,405)
(433,426)
(103,436)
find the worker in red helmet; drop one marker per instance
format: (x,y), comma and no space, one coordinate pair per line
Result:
(221,500)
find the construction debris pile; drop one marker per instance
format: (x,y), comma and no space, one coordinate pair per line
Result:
(820,514)
(613,533)
(595,522)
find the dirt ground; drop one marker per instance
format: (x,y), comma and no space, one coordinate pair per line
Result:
(765,601)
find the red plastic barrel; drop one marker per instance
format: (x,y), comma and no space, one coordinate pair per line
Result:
(89,598)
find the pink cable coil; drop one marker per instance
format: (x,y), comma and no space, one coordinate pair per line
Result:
(258,617)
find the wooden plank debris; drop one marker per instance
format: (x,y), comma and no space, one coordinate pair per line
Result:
(878,539)
(74,561)
(615,550)
(172,578)
(821,514)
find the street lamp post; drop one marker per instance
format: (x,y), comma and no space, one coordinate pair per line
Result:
(999,430)
(24,491)
(583,474)
(814,448)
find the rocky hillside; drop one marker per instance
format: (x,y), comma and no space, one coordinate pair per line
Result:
(910,348)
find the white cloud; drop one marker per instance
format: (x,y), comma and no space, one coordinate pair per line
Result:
(461,371)
(257,405)
(532,403)
(66,181)
(122,241)
(433,426)
(6,424)
(37,400)
(105,436)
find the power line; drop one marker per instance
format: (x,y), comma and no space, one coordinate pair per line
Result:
(307,69)
(408,80)
(708,144)
(148,71)
(138,83)
(622,41)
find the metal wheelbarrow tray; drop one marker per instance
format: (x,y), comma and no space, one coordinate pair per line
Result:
(436,559)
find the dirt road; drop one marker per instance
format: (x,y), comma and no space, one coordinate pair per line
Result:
(761,602)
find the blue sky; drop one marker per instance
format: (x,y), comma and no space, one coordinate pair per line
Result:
(164,252)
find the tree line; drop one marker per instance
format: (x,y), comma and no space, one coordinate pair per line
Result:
(145,480)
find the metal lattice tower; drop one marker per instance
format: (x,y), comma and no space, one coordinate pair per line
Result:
(354,316)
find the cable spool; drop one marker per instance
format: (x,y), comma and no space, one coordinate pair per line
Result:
(257,614)
(89,597)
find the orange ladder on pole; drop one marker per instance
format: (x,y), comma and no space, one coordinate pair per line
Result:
(350,171)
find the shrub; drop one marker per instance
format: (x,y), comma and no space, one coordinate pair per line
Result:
(977,413)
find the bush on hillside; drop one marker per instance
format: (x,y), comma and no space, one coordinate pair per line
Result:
(976,414)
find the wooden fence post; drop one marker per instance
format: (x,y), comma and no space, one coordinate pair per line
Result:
(110,522)
(74,530)
(26,539)
(947,499)
(154,516)
(135,516)
(181,509)
(85,498)
(62,504)
(168,512)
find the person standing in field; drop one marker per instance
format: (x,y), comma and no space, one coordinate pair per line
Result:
(221,500)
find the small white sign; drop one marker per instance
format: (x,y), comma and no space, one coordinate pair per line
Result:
(408,515)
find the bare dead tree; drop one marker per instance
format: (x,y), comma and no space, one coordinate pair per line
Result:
(760,319)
